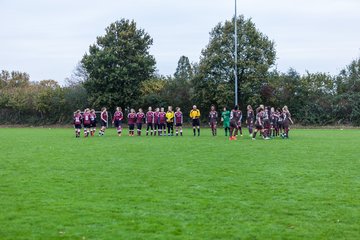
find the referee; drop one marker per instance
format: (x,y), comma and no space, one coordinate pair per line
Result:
(195,115)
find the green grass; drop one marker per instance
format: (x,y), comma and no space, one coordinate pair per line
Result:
(53,186)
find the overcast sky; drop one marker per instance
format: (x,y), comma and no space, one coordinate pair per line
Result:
(46,38)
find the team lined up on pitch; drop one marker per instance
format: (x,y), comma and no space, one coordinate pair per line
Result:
(268,121)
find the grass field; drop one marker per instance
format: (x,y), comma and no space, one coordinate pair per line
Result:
(54,186)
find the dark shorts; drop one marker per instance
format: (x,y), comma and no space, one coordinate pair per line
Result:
(117,123)
(103,123)
(139,126)
(131,126)
(259,127)
(156,126)
(93,124)
(77,126)
(87,125)
(196,122)
(233,125)
(162,126)
(213,124)
(178,125)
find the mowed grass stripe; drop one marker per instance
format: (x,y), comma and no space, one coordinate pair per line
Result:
(54,186)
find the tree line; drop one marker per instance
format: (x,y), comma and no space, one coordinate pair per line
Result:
(118,70)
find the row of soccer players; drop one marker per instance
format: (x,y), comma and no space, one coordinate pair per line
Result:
(269,122)
(156,121)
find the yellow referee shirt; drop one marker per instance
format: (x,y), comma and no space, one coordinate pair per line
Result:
(194,114)
(169,116)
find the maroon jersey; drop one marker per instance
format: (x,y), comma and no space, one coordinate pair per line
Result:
(235,116)
(132,118)
(162,117)
(286,118)
(259,119)
(178,117)
(104,116)
(250,116)
(140,117)
(156,117)
(213,116)
(86,118)
(77,119)
(118,116)
(150,117)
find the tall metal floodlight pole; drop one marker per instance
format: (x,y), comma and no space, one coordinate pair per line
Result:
(235,67)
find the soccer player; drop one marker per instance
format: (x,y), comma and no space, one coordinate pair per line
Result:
(213,116)
(250,119)
(178,118)
(274,117)
(162,121)
(225,118)
(92,122)
(259,122)
(170,121)
(149,121)
(235,116)
(156,120)
(286,122)
(104,121)
(117,120)
(267,125)
(77,123)
(131,122)
(239,123)
(195,116)
(86,122)
(140,119)
(280,122)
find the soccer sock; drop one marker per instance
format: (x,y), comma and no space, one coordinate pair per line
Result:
(177,132)
(254,134)
(181,132)
(198,131)
(226,130)
(215,130)
(240,128)
(194,131)
(231,132)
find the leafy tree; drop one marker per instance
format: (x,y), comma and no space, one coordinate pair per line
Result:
(153,92)
(347,101)
(184,71)
(214,79)
(180,84)
(117,64)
